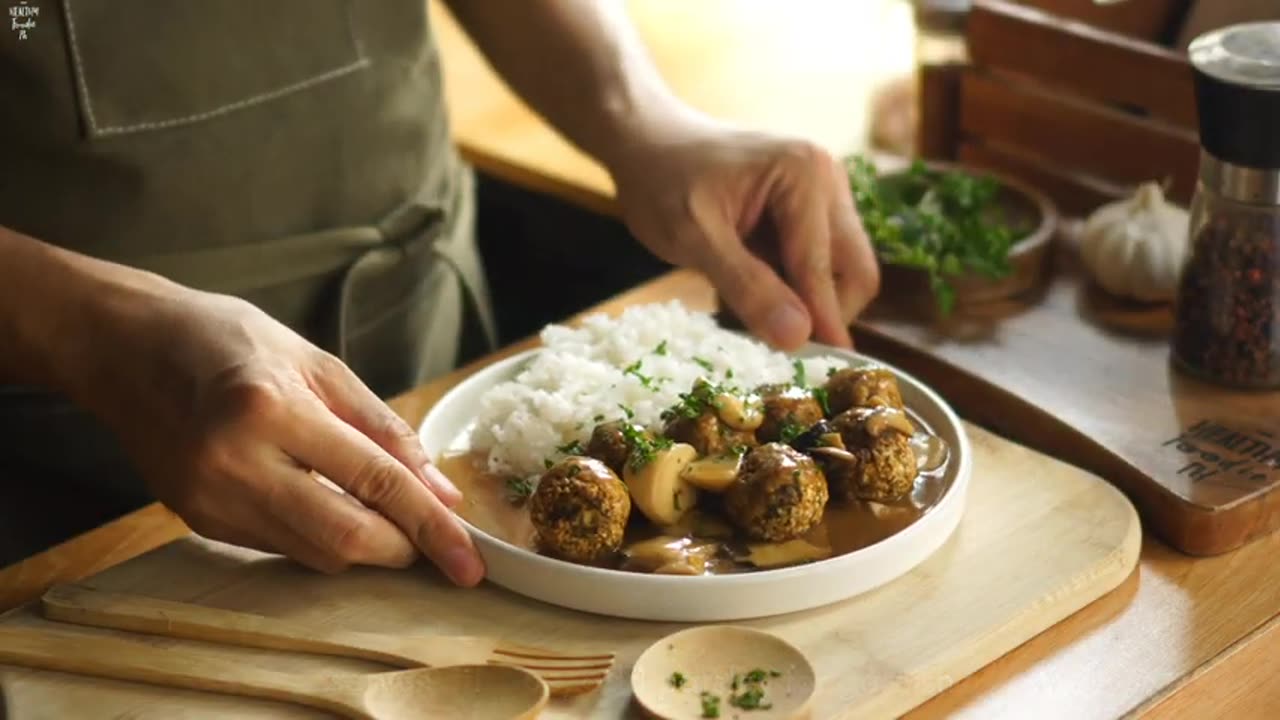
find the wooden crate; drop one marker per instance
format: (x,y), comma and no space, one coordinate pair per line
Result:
(1084,110)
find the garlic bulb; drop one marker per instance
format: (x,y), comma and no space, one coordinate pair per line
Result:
(1136,248)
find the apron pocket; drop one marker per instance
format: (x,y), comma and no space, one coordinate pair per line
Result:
(144,65)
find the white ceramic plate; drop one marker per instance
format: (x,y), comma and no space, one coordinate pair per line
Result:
(711,598)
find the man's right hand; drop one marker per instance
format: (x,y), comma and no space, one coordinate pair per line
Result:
(226,412)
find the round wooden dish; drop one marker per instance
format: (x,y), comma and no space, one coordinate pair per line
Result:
(1021,205)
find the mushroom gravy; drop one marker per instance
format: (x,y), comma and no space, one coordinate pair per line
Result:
(703,542)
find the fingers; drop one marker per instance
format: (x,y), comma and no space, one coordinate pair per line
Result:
(800,208)
(354,462)
(855,269)
(755,293)
(358,406)
(341,531)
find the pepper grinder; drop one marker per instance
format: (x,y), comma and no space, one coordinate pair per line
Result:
(1227,327)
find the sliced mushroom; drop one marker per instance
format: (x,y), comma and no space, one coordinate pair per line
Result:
(715,473)
(740,412)
(658,489)
(791,552)
(669,555)
(834,453)
(882,419)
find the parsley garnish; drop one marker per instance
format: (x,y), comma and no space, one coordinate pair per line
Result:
(631,414)
(518,489)
(634,370)
(790,429)
(710,705)
(548,463)
(706,364)
(728,374)
(643,448)
(750,699)
(572,447)
(799,377)
(693,403)
(820,394)
(941,222)
(677,680)
(661,349)
(832,371)
(598,418)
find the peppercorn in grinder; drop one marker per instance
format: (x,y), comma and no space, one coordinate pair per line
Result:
(1227,327)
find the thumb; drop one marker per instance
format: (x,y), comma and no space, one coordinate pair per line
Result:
(753,290)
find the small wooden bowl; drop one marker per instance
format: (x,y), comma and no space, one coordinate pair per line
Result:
(1022,205)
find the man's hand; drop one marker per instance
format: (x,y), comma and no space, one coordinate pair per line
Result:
(770,220)
(226,413)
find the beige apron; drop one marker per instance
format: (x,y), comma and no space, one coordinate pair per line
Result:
(294,153)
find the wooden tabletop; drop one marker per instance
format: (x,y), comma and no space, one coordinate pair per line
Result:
(1184,637)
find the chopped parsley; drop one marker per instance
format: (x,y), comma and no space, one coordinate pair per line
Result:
(710,705)
(677,680)
(799,377)
(737,450)
(598,418)
(661,350)
(790,429)
(631,414)
(574,469)
(519,489)
(548,463)
(572,447)
(643,447)
(728,373)
(941,222)
(706,364)
(820,394)
(832,371)
(750,699)
(752,695)
(634,371)
(693,403)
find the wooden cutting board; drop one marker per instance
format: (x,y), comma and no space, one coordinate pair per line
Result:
(1051,538)
(1088,379)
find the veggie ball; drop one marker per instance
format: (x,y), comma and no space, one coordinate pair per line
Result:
(780,494)
(862,387)
(708,434)
(877,462)
(580,510)
(789,410)
(609,443)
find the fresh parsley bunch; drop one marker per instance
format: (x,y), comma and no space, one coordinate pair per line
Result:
(942,222)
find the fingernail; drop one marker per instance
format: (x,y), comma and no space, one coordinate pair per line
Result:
(463,565)
(786,325)
(441,485)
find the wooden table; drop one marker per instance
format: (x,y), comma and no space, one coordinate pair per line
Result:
(1184,637)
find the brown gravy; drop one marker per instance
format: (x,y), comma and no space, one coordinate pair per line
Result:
(844,527)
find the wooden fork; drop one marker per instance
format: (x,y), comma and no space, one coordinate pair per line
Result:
(565,674)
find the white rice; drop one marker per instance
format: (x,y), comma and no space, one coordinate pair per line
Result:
(578,380)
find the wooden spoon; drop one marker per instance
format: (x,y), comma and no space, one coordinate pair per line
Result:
(723,665)
(480,692)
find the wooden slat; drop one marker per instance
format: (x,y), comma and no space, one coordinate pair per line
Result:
(1154,20)
(1083,59)
(1077,136)
(938,134)
(1075,194)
